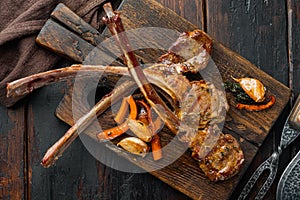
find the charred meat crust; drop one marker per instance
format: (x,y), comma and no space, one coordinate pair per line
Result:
(220,155)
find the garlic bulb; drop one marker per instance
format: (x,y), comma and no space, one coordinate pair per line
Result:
(134,145)
(140,129)
(253,87)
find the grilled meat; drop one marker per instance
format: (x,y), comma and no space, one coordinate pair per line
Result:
(191,52)
(220,155)
(224,160)
(200,105)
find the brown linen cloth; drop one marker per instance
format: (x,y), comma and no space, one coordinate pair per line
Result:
(20,23)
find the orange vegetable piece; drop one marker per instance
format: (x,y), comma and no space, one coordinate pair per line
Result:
(112,133)
(257,107)
(156,148)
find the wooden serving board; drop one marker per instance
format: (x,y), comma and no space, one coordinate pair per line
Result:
(250,128)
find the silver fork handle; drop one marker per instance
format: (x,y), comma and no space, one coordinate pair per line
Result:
(262,192)
(271,163)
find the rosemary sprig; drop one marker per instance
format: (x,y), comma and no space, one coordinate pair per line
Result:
(238,92)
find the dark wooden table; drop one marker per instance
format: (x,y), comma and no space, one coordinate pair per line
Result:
(265,32)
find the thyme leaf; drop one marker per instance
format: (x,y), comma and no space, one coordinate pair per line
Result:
(238,92)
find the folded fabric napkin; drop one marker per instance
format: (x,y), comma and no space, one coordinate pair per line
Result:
(20,24)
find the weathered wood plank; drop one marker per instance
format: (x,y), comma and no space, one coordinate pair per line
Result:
(191,10)
(255,30)
(293,8)
(76,176)
(64,15)
(76,48)
(13,153)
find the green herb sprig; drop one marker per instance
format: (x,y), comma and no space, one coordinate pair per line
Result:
(238,93)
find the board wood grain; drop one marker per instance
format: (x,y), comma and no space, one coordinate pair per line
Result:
(293,9)
(252,29)
(193,11)
(13,174)
(250,128)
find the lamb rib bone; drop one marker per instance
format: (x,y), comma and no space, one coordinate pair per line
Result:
(56,150)
(115,26)
(157,74)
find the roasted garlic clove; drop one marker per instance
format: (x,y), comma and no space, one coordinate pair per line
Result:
(140,129)
(253,87)
(134,145)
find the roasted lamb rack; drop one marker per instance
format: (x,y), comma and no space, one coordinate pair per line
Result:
(223,156)
(220,155)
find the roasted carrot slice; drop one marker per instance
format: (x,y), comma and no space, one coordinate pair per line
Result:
(147,116)
(147,113)
(112,133)
(155,142)
(156,125)
(121,115)
(156,147)
(132,106)
(257,107)
(123,110)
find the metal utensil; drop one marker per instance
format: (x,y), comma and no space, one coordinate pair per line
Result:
(289,133)
(289,183)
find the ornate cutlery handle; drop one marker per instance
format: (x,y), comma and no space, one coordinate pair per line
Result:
(291,129)
(272,164)
(273,170)
(289,134)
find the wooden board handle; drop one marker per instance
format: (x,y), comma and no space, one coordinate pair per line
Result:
(76,24)
(63,42)
(70,36)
